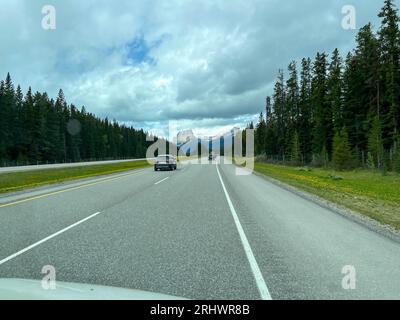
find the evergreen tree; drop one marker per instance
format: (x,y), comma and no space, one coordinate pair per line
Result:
(375,145)
(3,124)
(354,118)
(321,111)
(365,91)
(61,107)
(292,104)
(7,116)
(295,152)
(19,128)
(53,133)
(342,156)
(334,94)
(260,135)
(270,136)
(305,114)
(280,114)
(389,38)
(367,55)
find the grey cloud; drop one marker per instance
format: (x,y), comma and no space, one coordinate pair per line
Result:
(215,59)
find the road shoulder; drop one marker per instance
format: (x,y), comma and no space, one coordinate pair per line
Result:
(385,230)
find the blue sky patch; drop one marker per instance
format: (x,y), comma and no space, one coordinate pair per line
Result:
(138,51)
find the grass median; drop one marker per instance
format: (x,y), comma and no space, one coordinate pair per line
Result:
(15,181)
(370,193)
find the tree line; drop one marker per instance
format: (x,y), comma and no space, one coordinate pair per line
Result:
(35,128)
(340,111)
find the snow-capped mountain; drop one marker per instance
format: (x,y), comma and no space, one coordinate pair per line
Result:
(189,142)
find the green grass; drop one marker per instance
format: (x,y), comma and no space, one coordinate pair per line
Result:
(15,181)
(366,192)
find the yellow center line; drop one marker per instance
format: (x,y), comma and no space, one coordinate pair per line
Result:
(66,190)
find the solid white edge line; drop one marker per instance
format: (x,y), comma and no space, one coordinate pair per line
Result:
(47,238)
(162,180)
(261,285)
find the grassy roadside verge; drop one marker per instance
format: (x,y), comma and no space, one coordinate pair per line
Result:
(366,192)
(15,181)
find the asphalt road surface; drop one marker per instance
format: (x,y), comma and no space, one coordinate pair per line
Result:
(201,232)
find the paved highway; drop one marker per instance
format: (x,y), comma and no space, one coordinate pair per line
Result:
(201,232)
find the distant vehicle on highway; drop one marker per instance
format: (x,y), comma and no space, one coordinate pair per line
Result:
(212,156)
(165,162)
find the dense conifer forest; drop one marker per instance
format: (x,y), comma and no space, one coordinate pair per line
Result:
(339,111)
(37,129)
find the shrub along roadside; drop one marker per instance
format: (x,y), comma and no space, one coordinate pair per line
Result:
(342,157)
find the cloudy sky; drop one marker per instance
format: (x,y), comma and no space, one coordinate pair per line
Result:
(205,65)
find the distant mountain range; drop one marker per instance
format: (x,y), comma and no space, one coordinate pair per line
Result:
(188,142)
